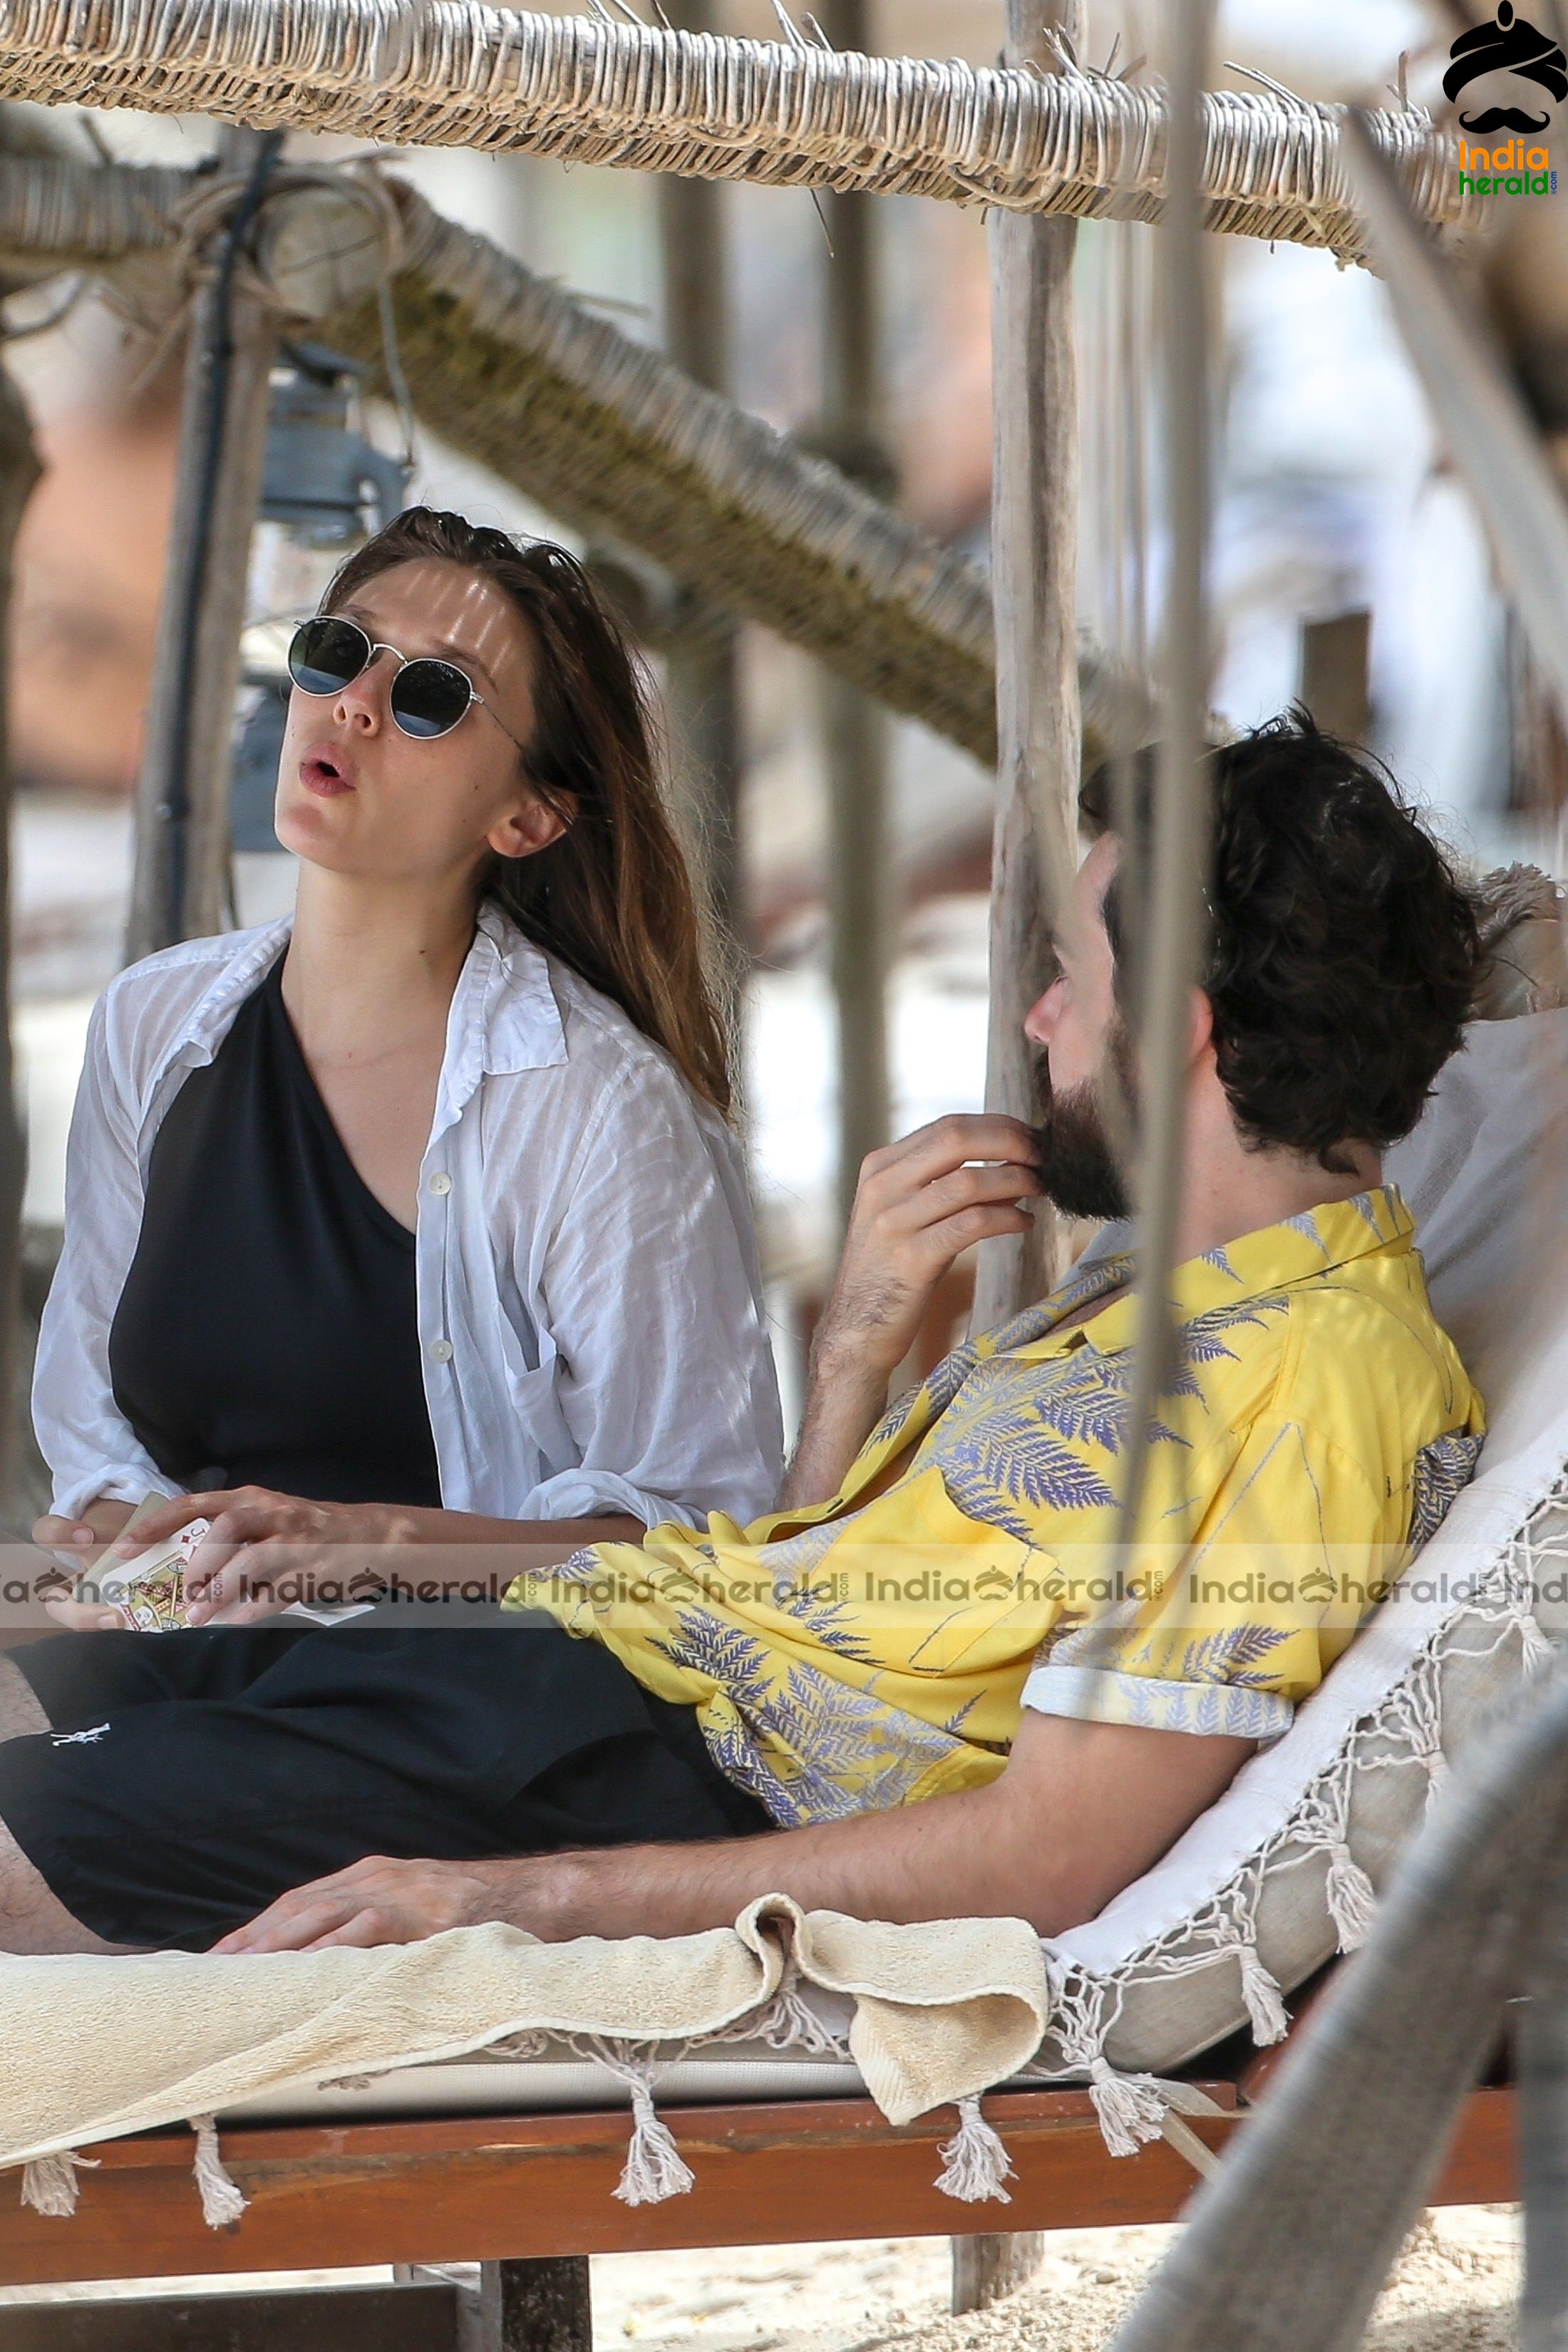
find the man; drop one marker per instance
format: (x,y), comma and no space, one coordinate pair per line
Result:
(935,1668)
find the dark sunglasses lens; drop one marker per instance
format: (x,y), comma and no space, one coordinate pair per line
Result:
(428,697)
(323,655)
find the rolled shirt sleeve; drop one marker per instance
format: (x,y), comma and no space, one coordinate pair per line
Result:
(1230,1632)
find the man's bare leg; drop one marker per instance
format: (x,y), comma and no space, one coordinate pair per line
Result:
(34,1920)
(20,1713)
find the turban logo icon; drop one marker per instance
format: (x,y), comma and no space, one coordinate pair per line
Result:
(1507,46)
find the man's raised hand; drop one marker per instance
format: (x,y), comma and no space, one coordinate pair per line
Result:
(919,1205)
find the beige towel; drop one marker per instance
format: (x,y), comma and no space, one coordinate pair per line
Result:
(95,2048)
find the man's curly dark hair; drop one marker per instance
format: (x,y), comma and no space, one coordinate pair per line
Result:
(1343,950)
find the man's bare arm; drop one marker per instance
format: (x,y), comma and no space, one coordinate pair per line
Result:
(919,1205)
(1081,1811)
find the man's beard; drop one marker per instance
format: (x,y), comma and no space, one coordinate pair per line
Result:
(1076,1164)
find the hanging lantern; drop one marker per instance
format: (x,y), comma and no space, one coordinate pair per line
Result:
(325,487)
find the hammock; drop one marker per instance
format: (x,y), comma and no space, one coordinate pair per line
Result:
(455,73)
(613,439)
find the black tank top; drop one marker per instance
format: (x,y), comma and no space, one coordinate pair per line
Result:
(266,1333)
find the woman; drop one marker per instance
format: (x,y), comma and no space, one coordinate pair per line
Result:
(428,1199)
(415,1223)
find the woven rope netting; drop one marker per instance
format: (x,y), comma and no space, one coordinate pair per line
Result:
(453,73)
(615,441)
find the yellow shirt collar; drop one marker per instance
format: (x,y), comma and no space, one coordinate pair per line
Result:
(1254,1264)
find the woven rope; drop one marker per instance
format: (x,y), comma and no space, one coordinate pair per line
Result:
(455,73)
(612,439)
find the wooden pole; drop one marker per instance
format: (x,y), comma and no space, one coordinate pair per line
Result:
(1034,574)
(180,889)
(19,471)
(986,2269)
(1541,2052)
(854,729)
(529,2306)
(1034,577)
(1336,673)
(701,665)
(1173,934)
(1287,2247)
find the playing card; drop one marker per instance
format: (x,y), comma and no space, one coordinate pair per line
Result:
(148,1590)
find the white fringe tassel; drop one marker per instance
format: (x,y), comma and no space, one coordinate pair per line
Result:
(223,2201)
(1436,1765)
(1264,2006)
(1130,2107)
(1534,1650)
(790,2024)
(655,2167)
(1352,1898)
(975,2163)
(50,2183)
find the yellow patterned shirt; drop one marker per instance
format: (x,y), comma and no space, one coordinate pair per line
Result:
(878,1649)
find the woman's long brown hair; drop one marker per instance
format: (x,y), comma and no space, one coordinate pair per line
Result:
(613,896)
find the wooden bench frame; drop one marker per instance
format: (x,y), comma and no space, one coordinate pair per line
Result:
(532,2189)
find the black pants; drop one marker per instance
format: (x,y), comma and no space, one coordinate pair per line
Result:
(189,1778)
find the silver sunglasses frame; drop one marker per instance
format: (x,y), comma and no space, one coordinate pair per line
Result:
(405,661)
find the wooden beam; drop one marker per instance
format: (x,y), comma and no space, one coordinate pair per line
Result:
(1336,673)
(500,2188)
(1297,2235)
(529,2306)
(986,2270)
(423,2317)
(855,738)
(1034,573)
(701,664)
(1483,421)
(180,887)
(19,471)
(1172,933)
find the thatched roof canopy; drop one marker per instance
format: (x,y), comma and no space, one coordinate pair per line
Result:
(457,73)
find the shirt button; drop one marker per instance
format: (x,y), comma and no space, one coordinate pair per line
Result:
(441,1351)
(441,1183)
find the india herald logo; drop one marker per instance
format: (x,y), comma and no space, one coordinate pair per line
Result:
(1508,45)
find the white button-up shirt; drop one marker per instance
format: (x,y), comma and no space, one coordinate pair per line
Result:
(591,1327)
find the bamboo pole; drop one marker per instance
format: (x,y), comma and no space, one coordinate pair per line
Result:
(180,888)
(1335,674)
(701,664)
(1034,573)
(1285,2248)
(1174,926)
(1541,2043)
(986,2269)
(1477,408)
(19,471)
(854,729)
(1034,569)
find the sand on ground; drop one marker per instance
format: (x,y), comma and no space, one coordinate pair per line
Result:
(1453,2290)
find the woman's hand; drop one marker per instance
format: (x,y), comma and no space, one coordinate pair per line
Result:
(79,1545)
(377,1901)
(264,1551)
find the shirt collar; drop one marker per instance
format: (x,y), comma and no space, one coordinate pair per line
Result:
(1272,1258)
(504,1015)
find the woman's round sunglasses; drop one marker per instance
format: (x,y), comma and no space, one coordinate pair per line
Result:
(427,696)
